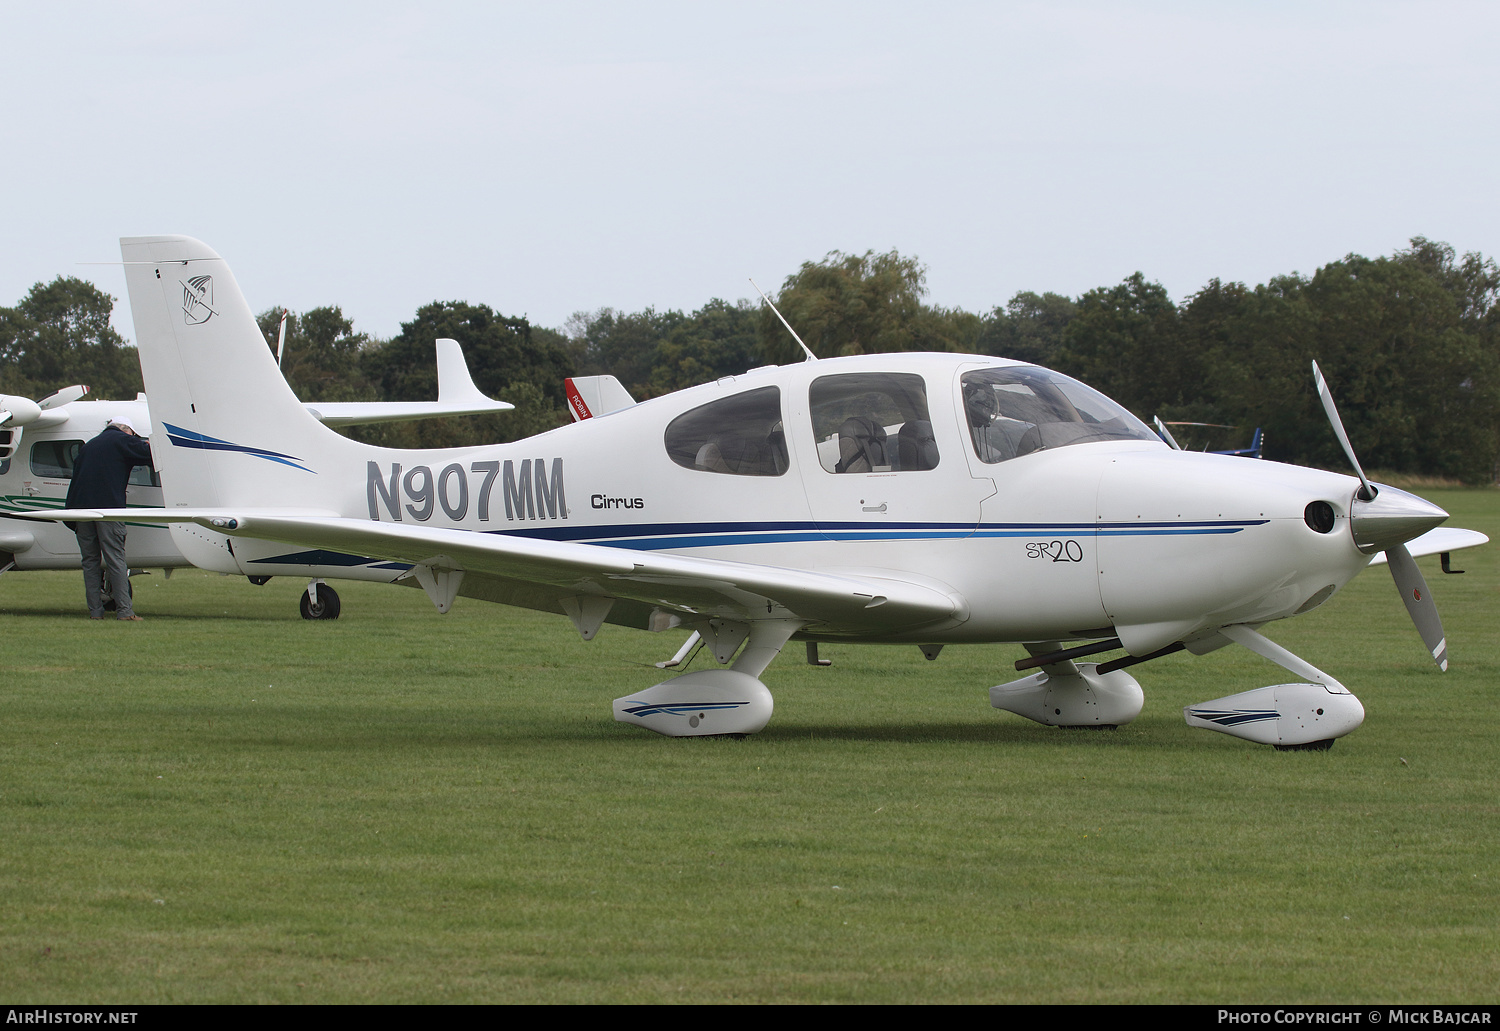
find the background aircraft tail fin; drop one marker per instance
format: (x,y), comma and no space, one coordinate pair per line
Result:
(592,396)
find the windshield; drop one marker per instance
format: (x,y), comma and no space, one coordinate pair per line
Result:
(1014,411)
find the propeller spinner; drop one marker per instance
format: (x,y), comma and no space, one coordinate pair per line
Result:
(22,411)
(1384,519)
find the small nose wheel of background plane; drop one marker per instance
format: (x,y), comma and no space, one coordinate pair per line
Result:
(320,601)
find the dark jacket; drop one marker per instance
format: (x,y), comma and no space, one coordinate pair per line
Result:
(102,469)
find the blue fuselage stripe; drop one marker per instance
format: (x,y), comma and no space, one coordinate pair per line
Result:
(669,536)
(201,441)
(674,536)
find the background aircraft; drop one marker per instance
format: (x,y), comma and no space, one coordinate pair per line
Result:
(927,499)
(39,441)
(1257,439)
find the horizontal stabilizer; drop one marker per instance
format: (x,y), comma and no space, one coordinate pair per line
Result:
(1435,541)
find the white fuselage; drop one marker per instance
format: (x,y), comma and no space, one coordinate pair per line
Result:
(1060,542)
(37,475)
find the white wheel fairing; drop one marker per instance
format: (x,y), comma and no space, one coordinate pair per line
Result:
(709,702)
(1281,714)
(1086,698)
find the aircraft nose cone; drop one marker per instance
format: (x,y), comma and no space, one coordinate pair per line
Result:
(1393,518)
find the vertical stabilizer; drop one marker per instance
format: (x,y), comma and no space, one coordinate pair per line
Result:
(226,428)
(592,396)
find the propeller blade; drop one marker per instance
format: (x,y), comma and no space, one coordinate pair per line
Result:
(1366,492)
(1166,434)
(65,396)
(1419,603)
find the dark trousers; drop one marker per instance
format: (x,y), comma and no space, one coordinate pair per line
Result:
(104,543)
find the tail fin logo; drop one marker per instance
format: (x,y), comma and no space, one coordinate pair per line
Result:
(198,300)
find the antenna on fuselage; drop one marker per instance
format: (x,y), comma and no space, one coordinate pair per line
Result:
(805,349)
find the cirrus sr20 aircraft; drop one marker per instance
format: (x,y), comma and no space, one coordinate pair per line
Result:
(928,499)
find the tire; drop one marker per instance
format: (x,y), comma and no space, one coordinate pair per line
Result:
(326,606)
(104,585)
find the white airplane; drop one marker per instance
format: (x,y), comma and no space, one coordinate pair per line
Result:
(927,499)
(39,441)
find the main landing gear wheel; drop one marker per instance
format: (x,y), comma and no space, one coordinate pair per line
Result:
(104,586)
(1311,746)
(324,606)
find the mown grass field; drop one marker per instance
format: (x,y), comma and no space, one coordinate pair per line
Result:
(228,804)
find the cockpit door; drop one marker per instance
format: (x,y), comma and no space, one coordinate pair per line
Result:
(881,457)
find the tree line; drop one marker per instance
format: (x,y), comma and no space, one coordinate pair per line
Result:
(1409,342)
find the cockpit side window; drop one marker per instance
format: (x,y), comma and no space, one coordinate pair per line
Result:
(866,422)
(740,435)
(1020,409)
(144,476)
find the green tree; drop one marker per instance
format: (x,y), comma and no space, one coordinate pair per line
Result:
(1407,344)
(1414,384)
(505,360)
(654,353)
(59,334)
(861,304)
(1124,341)
(1473,281)
(1028,329)
(621,344)
(719,339)
(322,355)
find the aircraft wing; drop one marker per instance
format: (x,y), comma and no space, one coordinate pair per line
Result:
(358,413)
(548,574)
(1443,538)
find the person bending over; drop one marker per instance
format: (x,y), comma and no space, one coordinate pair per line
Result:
(100,475)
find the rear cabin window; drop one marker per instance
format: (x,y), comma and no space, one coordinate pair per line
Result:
(872,422)
(54,459)
(740,435)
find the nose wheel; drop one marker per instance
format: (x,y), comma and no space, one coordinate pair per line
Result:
(320,601)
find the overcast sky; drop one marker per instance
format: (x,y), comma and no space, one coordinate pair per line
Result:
(545,158)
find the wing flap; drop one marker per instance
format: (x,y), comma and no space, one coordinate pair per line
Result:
(857,604)
(694,588)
